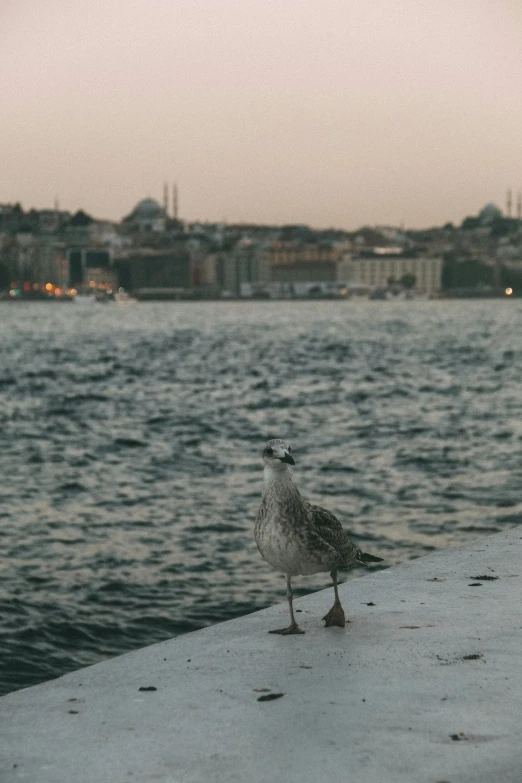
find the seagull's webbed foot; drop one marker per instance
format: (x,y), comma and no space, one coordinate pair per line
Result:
(335,617)
(294,628)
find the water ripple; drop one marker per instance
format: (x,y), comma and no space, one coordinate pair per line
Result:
(130,440)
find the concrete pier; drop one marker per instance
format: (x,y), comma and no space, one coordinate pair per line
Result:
(424,685)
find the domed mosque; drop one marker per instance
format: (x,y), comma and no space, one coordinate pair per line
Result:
(147,215)
(488,214)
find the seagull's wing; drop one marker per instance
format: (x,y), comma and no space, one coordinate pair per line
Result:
(262,513)
(330,531)
(260,520)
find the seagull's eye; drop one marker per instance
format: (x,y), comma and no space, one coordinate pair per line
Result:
(269,452)
(289,450)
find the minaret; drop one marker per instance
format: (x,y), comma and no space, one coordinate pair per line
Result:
(519,206)
(56,204)
(508,203)
(166,198)
(175,201)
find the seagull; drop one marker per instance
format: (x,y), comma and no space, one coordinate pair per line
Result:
(298,538)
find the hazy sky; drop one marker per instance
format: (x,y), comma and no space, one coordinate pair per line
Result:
(327,112)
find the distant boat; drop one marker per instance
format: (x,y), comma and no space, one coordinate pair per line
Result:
(123,297)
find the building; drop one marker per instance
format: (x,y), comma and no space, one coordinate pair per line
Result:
(83,259)
(488,214)
(154,273)
(101,278)
(237,271)
(202,267)
(301,267)
(383,266)
(303,263)
(37,261)
(148,216)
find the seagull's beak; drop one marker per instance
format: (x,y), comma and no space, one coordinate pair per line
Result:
(287,458)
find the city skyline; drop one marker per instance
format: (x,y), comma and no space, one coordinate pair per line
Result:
(263,112)
(169,203)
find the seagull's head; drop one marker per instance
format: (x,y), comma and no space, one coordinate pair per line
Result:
(277,453)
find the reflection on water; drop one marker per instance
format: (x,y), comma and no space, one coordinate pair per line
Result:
(130,440)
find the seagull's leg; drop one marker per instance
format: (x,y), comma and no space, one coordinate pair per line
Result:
(336,614)
(293,627)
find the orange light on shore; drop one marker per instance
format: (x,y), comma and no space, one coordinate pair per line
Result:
(49,286)
(58,291)
(508,291)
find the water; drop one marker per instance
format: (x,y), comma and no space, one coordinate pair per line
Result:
(130,441)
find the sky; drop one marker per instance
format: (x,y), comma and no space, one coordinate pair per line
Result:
(334,113)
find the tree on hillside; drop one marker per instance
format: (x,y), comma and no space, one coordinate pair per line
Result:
(470,223)
(81,218)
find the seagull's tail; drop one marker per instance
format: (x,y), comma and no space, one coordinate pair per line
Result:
(364,558)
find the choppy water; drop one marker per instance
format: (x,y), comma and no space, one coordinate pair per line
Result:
(130,467)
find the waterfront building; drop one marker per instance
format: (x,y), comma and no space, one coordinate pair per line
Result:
(100,278)
(82,259)
(242,270)
(307,263)
(38,260)
(382,265)
(154,273)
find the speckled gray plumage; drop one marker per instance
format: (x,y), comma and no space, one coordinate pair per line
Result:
(295,536)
